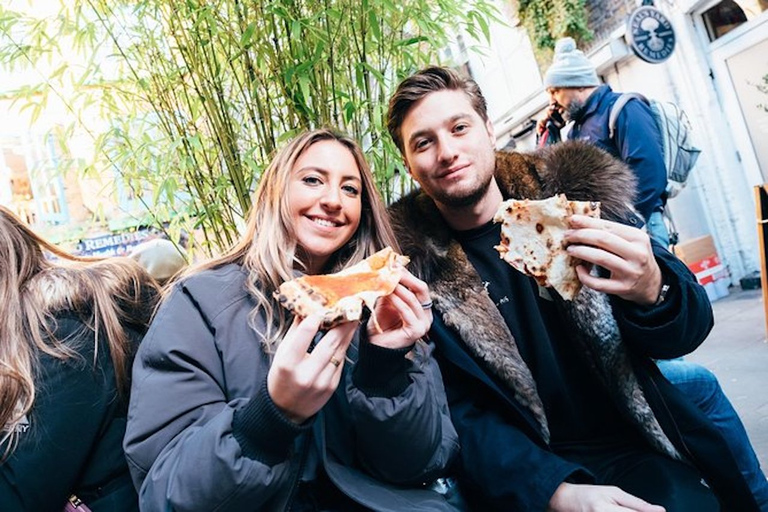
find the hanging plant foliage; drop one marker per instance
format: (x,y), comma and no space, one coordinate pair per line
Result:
(549,20)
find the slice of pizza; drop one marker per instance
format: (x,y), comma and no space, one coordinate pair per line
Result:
(341,296)
(532,240)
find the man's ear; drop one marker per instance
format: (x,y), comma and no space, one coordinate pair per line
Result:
(407,167)
(491,133)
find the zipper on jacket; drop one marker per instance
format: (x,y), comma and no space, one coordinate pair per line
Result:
(297,480)
(331,476)
(671,418)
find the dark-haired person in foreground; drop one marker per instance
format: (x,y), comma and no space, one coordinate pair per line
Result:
(70,328)
(558,404)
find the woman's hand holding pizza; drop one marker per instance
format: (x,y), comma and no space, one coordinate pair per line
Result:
(624,251)
(404,316)
(301,383)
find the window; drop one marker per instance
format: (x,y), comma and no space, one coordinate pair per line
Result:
(47,183)
(729,14)
(37,189)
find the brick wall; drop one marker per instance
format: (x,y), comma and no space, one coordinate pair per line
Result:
(604,16)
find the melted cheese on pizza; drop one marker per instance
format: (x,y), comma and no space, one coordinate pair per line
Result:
(341,296)
(334,286)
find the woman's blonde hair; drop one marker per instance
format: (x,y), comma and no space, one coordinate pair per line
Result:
(107,294)
(267,249)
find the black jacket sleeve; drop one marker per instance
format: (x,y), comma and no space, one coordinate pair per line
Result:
(74,407)
(403,429)
(503,467)
(678,325)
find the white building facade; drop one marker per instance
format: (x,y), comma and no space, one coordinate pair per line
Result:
(717,73)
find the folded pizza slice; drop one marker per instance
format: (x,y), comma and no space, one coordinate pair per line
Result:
(532,239)
(340,297)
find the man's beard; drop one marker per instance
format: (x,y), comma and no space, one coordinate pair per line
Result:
(455,201)
(574,109)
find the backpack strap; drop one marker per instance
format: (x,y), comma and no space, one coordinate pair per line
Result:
(622,100)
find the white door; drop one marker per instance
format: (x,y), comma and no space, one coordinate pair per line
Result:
(739,61)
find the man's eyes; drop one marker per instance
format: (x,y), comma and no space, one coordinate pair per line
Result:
(421,144)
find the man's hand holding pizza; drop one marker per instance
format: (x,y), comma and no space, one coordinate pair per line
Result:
(623,250)
(404,316)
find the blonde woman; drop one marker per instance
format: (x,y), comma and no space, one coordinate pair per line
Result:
(238,406)
(68,333)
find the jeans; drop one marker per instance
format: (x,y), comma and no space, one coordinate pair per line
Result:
(701,386)
(657,229)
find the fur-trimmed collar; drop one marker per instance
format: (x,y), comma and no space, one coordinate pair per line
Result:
(583,173)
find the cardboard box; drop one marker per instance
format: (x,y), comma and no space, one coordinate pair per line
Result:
(696,249)
(708,269)
(700,255)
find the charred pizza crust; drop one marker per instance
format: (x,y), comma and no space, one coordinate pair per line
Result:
(532,240)
(340,297)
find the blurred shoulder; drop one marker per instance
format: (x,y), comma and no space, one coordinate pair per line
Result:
(78,287)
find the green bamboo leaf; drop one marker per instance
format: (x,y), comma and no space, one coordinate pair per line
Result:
(412,41)
(304,84)
(196,143)
(375,72)
(245,39)
(483,22)
(359,76)
(349,111)
(58,71)
(373,24)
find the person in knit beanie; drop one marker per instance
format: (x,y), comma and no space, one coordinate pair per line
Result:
(570,67)
(570,80)
(161,258)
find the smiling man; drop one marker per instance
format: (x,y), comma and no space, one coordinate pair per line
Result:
(557,403)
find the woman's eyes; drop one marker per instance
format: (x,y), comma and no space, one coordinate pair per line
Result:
(351,190)
(312,180)
(315,181)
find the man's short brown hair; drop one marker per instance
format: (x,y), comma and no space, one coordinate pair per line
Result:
(422,83)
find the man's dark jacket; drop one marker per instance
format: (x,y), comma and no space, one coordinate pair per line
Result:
(506,462)
(637,143)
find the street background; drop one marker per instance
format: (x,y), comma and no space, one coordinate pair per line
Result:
(737,352)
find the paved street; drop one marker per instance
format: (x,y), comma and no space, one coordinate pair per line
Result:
(737,352)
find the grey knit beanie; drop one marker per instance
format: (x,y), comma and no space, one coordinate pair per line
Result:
(570,67)
(160,258)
